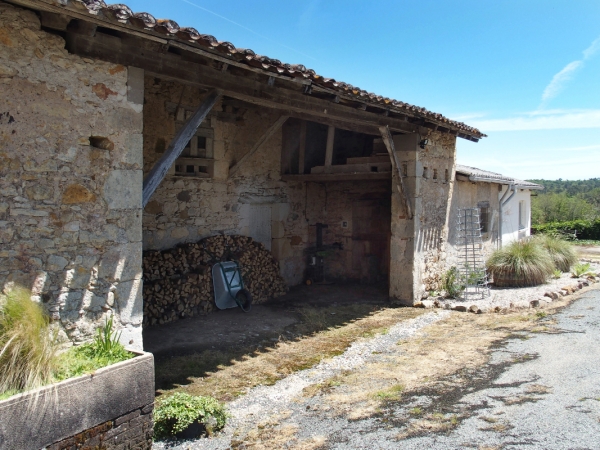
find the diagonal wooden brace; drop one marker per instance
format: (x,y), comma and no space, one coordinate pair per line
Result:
(389,144)
(162,166)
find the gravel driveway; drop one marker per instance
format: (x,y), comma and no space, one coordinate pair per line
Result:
(539,390)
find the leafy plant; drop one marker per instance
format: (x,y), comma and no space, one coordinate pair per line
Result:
(556,274)
(563,253)
(175,413)
(452,283)
(581,269)
(28,346)
(521,263)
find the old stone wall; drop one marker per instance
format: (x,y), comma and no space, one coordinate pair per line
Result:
(70,179)
(357,215)
(253,202)
(417,246)
(131,430)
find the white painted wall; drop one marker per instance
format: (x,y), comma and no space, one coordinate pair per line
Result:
(511,231)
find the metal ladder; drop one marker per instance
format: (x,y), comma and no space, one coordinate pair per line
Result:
(471,261)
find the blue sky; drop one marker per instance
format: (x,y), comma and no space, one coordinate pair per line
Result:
(526,72)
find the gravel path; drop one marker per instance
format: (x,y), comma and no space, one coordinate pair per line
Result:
(263,401)
(541,392)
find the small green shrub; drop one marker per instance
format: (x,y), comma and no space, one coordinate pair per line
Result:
(28,346)
(556,274)
(175,413)
(581,269)
(452,283)
(521,263)
(563,253)
(585,229)
(103,351)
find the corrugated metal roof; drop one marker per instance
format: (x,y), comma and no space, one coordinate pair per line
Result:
(476,174)
(171,29)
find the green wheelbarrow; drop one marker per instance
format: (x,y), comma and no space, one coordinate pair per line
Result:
(229,286)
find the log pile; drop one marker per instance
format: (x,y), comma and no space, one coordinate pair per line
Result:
(178,281)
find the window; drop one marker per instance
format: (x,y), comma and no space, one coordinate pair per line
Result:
(484,216)
(523,219)
(196,159)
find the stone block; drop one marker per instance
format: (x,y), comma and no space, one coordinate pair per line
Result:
(133,153)
(123,189)
(281,249)
(135,86)
(128,296)
(277,230)
(280,211)
(56,263)
(122,262)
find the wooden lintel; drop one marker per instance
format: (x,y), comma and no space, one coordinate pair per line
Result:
(183,136)
(264,138)
(335,177)
(54,21)
(389,144)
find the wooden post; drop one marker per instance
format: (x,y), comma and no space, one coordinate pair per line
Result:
(389,144)
(264,138)
(177,145)
(329,148)
(302,152)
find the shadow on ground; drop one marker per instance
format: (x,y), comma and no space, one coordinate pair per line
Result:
(198,346)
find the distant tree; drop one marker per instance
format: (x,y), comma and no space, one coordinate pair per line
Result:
(561,207)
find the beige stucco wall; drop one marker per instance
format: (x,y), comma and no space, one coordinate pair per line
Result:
(70,212)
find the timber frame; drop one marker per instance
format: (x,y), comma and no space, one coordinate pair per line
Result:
(172,58)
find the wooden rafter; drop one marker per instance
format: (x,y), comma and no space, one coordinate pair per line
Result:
(389,144)
(183,136)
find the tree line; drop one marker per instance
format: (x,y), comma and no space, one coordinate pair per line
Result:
(565,200)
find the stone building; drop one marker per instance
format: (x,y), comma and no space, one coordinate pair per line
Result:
(96,165)
(504,203)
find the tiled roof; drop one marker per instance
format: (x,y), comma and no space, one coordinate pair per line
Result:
(476,174)
(168,28)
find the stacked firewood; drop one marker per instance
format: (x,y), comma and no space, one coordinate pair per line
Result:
(178,281)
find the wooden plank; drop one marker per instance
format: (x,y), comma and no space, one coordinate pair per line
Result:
(183,136)
(302,150)
(389,144)
(264,138)
(333,177)
(329,148)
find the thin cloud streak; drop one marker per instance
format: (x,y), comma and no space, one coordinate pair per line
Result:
(559,81)
(539,121)
(247,29)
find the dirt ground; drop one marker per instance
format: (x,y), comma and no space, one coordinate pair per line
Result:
(222,330)
(589,252)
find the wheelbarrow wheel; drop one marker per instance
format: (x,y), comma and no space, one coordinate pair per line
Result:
(244,299)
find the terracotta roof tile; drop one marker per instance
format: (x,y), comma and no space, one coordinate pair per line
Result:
(123,14)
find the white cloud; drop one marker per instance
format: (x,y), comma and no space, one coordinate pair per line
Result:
(559,80)
(542,120)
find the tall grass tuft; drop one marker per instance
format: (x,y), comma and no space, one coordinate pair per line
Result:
(519,264)
(27,345)
(563,253)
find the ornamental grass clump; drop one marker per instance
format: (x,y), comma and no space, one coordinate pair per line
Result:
(519,264)
(28,346)
(175,413)
(563,253)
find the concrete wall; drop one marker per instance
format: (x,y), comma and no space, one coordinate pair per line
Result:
(418,252)
(468,194)
(187,209)
(510,217)
(70,180)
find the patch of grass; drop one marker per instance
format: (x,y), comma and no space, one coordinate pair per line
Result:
(541,314)
(489,419)
(416,411)
(556,274)
(28,346)
(173,414)
(521,263)
(561,252)
(581,269)
(392,393)
(225,375)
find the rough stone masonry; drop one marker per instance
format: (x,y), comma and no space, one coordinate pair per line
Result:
(70,180)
